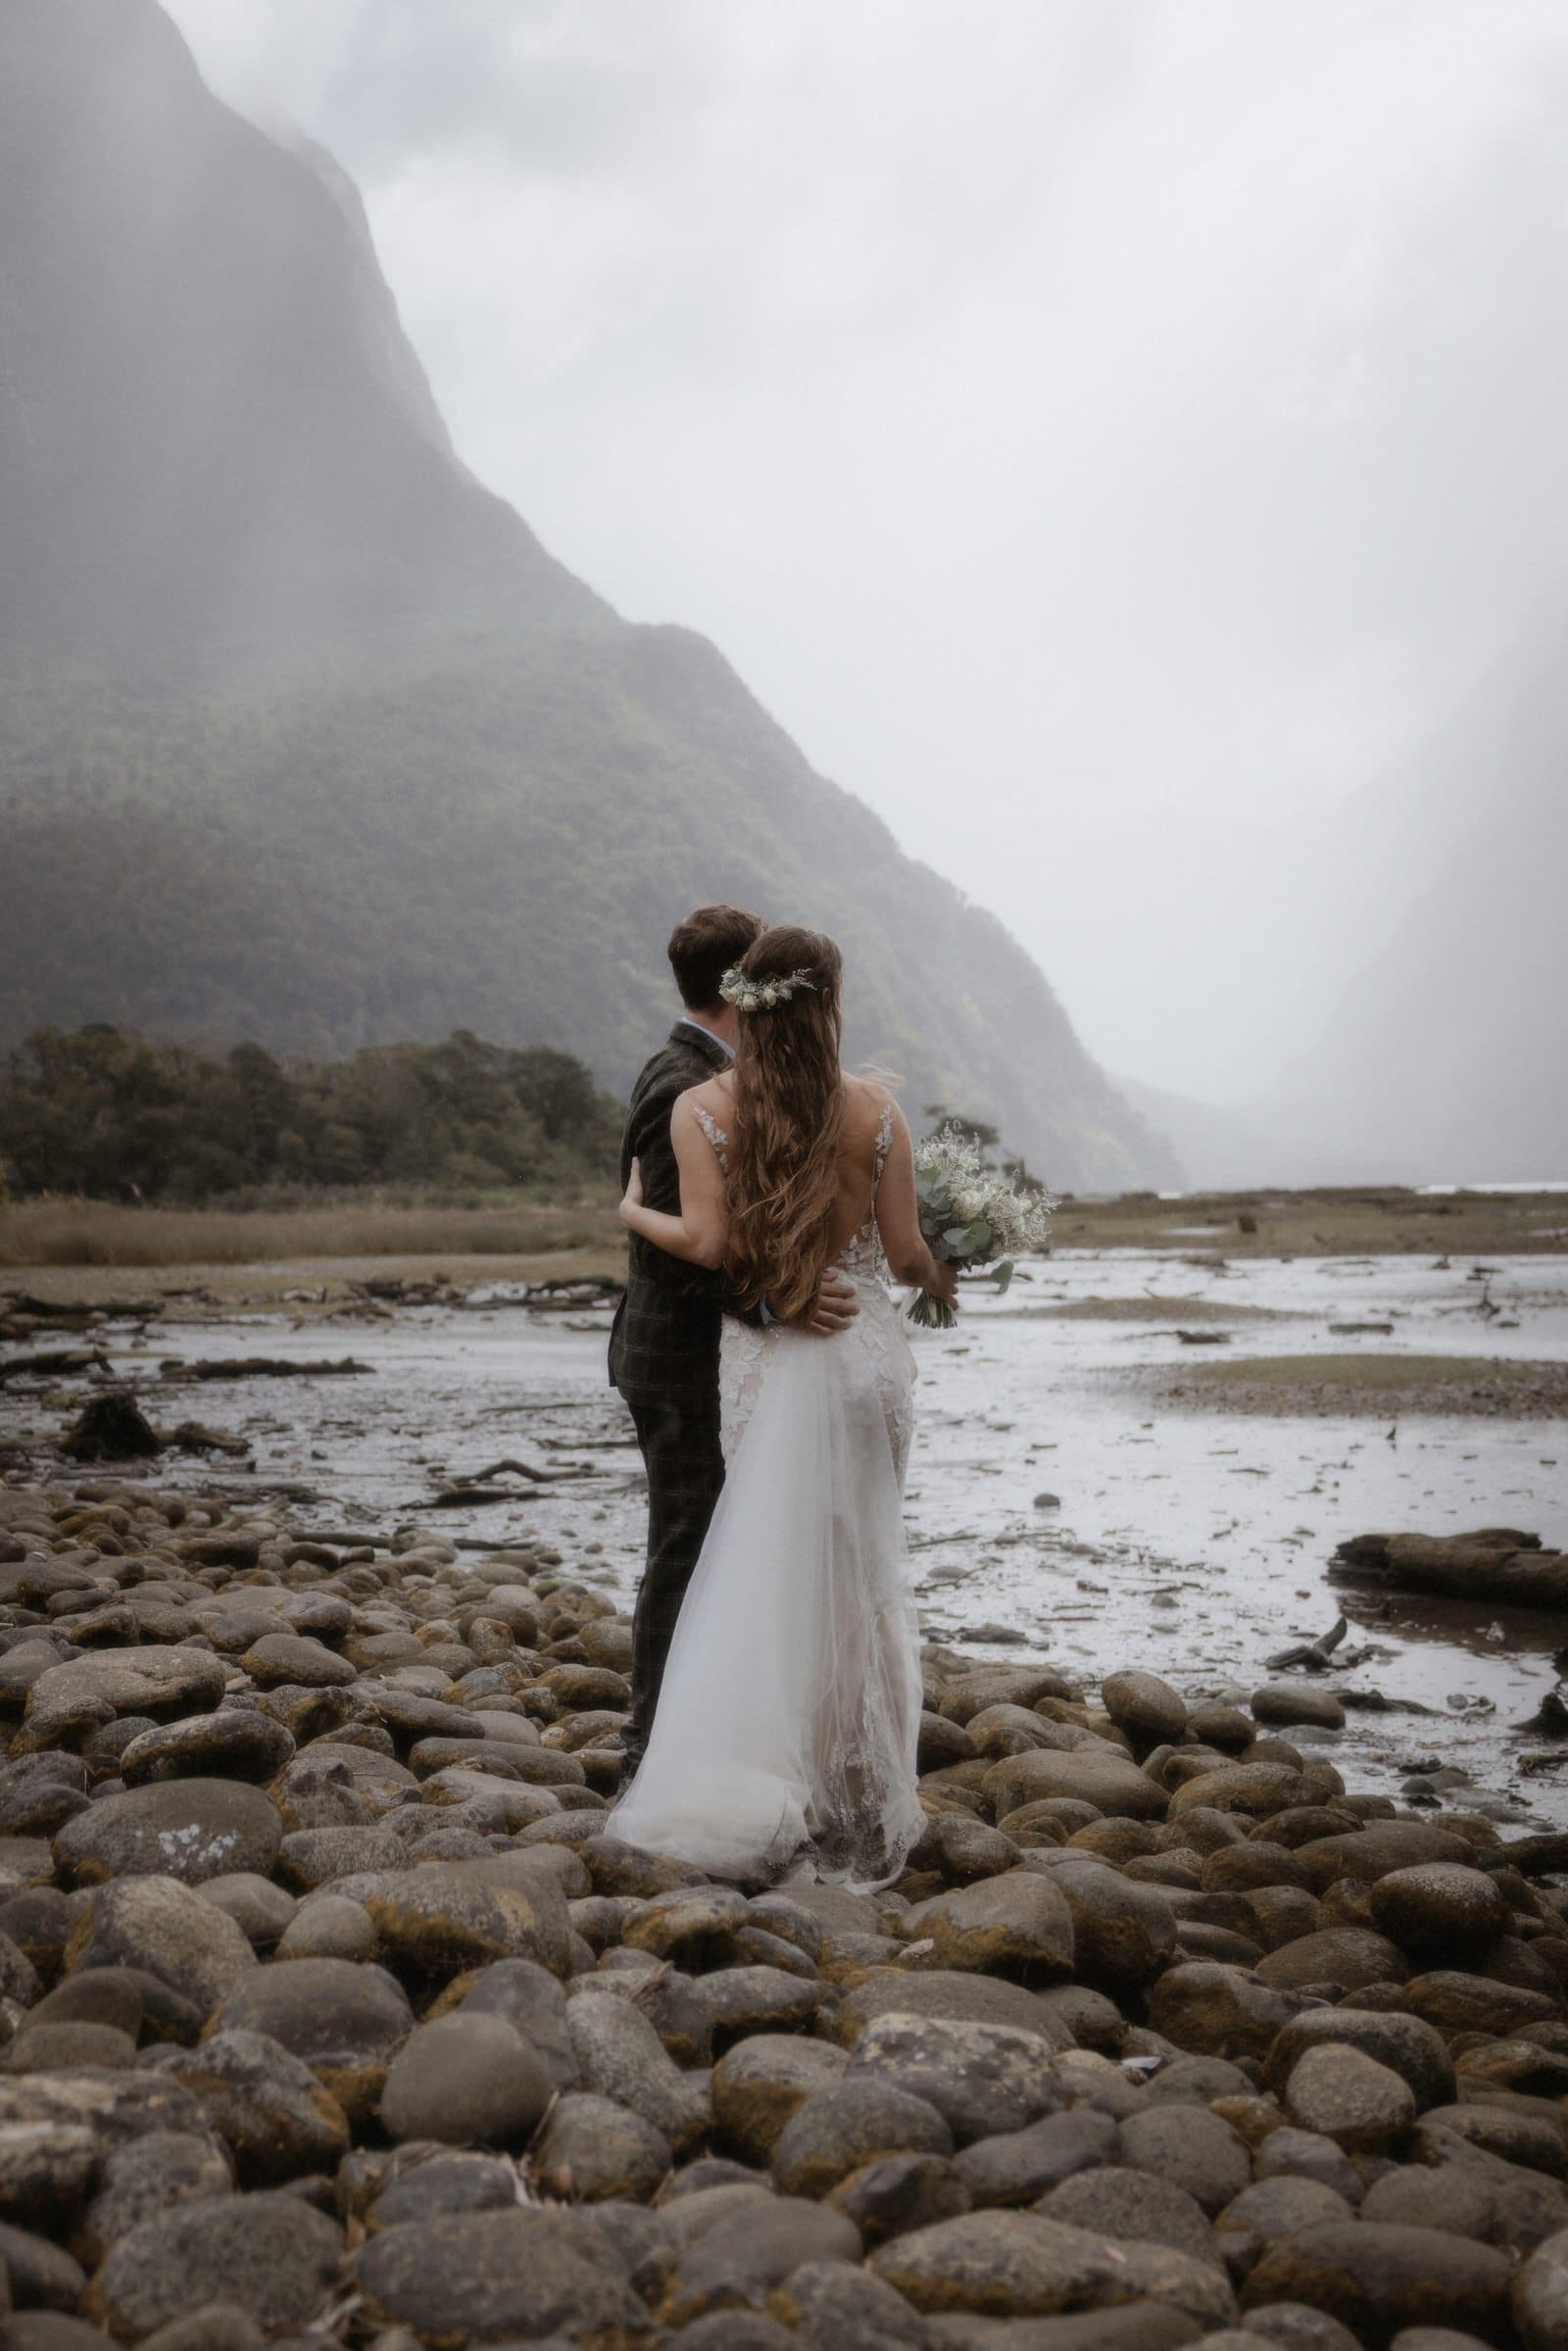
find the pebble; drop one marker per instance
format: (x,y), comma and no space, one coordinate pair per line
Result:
(467,2079)
(759,2084)
(272,2254)
(1349,2097)
(320,1979)
(854,2121)
(982,2079)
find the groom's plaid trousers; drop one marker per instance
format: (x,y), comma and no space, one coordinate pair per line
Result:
(663,1358)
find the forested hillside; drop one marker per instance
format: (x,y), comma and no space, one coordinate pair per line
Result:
(110,1115)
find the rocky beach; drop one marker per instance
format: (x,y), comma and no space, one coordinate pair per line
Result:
(1224,2002)
(1150,1451)
(335,2015)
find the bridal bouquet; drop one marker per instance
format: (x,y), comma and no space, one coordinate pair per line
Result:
(972,1216)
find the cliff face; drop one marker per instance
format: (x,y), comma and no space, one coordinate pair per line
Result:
(305,736)
(213,430)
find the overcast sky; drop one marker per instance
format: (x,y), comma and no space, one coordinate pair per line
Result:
(1102,431)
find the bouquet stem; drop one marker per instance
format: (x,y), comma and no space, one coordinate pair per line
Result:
(929,1313)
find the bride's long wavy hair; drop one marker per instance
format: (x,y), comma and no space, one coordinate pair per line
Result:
(788,1122)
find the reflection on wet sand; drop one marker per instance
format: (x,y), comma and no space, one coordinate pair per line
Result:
(1061,1497)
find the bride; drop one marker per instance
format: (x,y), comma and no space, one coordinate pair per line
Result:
(785,1737)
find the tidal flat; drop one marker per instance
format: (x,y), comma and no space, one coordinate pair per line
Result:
(1141,1456)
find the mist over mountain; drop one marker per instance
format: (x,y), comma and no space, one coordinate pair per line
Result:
(304,736)
(1442,1056)
(214,433)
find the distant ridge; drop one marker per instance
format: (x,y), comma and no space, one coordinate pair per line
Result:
(305,737)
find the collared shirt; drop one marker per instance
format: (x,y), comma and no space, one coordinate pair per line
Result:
(685,1022)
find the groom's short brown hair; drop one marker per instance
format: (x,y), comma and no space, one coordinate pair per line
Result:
(703,947)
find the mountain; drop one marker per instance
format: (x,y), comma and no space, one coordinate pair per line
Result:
(1443,1059)
(304,736)
(214,432)
(1221,1148)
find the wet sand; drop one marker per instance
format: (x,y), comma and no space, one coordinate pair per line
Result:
(1086,1482)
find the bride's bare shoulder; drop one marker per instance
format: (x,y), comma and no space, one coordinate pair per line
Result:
(714,1095)
(867,1100)
(870,1094)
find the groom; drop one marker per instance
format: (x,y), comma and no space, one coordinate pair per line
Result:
(663,1347)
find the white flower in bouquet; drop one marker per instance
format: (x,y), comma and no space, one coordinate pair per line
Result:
(972,1216)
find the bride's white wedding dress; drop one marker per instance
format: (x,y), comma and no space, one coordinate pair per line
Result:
(784,1739)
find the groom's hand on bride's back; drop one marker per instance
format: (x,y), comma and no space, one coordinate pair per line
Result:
(833,1309)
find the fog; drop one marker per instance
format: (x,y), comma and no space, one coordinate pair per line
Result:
(1109,436)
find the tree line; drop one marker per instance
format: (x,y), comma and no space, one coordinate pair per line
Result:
(108,1113)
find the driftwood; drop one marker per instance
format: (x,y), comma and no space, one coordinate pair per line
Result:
(1492,1565)
(471,1498)
(1314,1655)
(259,1367)
(518,1469)
(112,1427)
(53,1360)
(195,1437)
(72,1310)
(485,1543)
(562,1293)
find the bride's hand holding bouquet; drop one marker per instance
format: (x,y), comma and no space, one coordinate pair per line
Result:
(974,1218)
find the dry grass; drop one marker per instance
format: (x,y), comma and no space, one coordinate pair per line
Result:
(88,1233)
(1374,1221)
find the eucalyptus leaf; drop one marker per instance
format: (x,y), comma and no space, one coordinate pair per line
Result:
(1003,1276)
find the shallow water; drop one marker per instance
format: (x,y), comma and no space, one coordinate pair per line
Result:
(1191,1542)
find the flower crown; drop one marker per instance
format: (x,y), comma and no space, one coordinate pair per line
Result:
(746,995)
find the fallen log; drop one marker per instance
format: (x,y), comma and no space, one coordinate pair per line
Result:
(1494,1565)
(472,1497)
(261,1367)
(607,1284)
(72,1310)
(562,1296)
(194,1437)
(54,1359)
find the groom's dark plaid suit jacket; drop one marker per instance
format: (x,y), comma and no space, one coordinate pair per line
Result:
(663,1358)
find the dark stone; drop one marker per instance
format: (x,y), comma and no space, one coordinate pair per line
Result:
(1375,2279)
(487,2273)
(742,2257)
(185,1829)
(465,2078)
(982,2079)
(111,1427)
(854,2121)
(271,2253)
(1021,2165)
